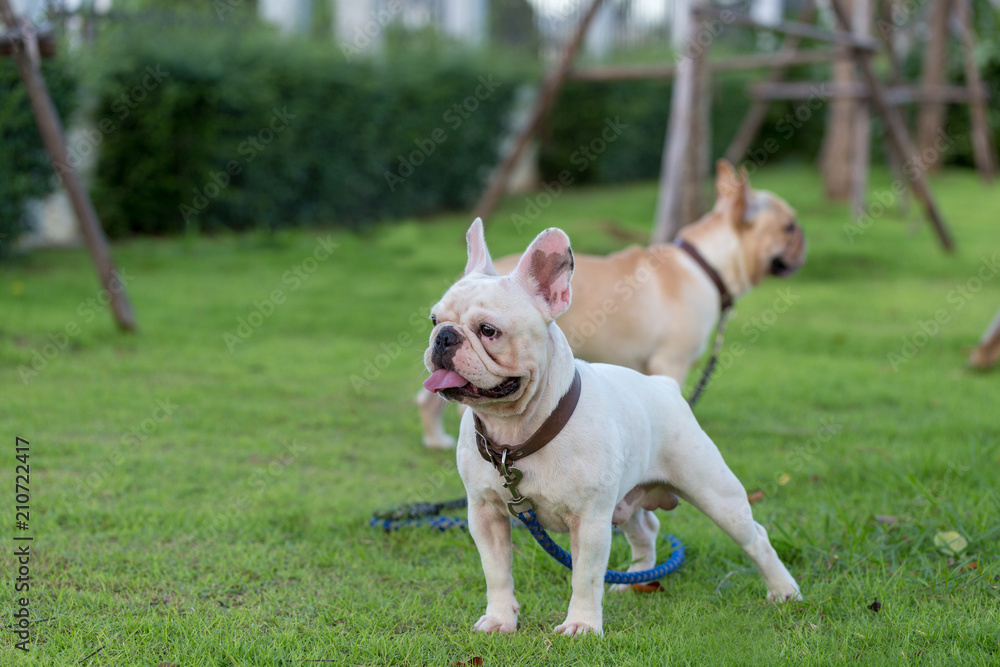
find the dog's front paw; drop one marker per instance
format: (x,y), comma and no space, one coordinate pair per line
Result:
(490,623)
(576,628)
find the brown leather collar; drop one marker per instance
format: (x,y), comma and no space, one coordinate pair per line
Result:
(549,429)
(726,298)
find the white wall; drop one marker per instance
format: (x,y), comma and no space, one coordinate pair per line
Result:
(466,20)
(289,15)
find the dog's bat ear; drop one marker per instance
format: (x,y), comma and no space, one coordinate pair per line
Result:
(479,255)
(546,269)
(732,190)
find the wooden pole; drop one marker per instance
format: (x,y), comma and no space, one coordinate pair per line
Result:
(698,163)
(675,196)
(836,155)
(988,351)
(861,149)
(982,139)
(899,137)
(931,115)
(895,78)
(546,97)
(755,117)
(55,142)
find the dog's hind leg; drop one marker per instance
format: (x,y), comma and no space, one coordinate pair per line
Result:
(490,529)
(711,486)
(640,530)
(432,415)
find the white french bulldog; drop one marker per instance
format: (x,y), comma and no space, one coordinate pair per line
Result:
(631,446)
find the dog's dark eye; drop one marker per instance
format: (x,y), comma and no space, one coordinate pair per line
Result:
(434,320)
(790,228)
(488,331)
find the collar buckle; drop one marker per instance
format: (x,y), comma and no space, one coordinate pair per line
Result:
(512,477)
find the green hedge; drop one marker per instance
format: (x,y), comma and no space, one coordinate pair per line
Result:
(644,106)
(195,149)
(25,169)
(792,131)
(238,131)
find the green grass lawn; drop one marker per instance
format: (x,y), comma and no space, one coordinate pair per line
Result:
(202,497)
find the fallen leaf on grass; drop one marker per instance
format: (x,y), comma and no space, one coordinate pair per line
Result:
(651,587)
(755,497)
(875,606)
(970,566)
(950,542)
(784,479)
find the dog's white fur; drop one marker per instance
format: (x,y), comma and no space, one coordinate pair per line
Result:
(631,446)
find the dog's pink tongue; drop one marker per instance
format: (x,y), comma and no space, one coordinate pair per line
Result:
(444,379)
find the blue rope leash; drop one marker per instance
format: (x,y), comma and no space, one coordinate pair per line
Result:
(443,523)
(611,576)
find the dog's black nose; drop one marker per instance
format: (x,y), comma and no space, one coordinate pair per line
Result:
(446,338)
